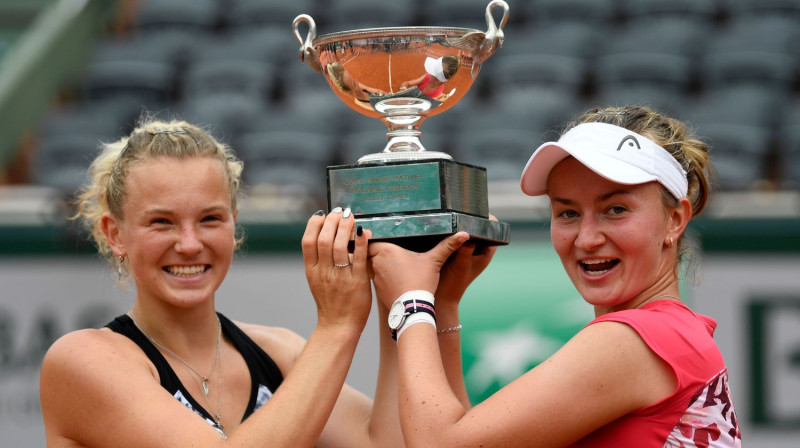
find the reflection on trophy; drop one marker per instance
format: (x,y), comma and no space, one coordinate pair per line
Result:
(402,75)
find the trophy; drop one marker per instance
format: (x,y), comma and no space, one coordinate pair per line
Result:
(407,194)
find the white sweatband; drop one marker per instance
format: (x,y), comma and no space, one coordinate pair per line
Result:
(416,318)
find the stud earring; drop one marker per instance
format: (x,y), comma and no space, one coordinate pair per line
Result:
(671,242)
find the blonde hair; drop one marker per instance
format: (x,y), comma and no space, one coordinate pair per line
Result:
(674,136)
(106,191)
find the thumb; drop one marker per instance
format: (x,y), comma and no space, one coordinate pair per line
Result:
(442,251)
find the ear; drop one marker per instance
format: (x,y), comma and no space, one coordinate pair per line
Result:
(678,219)
(111,229)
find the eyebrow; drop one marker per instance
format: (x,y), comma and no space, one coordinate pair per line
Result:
(210,209)
(603,197)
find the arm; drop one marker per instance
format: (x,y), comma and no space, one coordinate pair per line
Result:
(356,420)
(99,389)
(411,83)
(603,373)
(461,268)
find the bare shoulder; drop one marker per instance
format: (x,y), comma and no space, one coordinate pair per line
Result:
(281,344)
(622,362)
(88,370)
(91,347)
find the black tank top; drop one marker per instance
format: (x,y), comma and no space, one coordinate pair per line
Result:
(265,376)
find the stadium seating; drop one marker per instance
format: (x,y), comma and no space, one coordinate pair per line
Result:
(729,67)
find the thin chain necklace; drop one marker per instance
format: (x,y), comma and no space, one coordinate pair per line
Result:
(203,379)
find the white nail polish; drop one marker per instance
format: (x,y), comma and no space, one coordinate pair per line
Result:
(346,213)
(337,210)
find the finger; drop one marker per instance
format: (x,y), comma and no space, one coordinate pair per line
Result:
(361,248)
(442,251)
(309,241)
(342,238)
(327,235)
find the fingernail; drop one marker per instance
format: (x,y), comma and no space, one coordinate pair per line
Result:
(359,230)
(337,210)
(346,213)
(319,213)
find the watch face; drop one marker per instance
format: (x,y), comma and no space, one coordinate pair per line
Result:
(396,315)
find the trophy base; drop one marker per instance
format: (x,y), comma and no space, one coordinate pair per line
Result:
(416,203)
(421,232)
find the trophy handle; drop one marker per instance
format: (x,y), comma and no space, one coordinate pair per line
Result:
(307,52)
(494,36)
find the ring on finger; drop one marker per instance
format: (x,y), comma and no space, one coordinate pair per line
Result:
(342,265)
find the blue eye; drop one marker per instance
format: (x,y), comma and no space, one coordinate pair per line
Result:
(617,210)
(568,214)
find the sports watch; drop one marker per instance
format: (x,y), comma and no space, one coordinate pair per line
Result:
(407,304)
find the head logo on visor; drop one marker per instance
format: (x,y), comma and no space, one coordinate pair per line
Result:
(631,141)
(612,152)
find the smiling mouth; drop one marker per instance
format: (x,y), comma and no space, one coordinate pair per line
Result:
(597,267)
(186,271)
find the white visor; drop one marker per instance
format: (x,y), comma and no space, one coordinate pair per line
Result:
(613,152)
(435,68)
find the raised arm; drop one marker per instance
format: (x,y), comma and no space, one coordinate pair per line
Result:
(99,389)
(461,268)
(603,373)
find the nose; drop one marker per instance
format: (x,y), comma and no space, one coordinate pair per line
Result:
(590,235)
(189,241)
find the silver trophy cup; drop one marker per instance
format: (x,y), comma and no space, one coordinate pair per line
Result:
(402,75)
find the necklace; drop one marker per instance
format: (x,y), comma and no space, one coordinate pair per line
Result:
(203,379)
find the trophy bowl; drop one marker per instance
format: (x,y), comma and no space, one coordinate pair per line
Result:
(402,76)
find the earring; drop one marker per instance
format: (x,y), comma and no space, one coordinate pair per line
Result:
(671,242)
(120,260)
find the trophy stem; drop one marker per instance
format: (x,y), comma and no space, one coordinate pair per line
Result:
(402,116)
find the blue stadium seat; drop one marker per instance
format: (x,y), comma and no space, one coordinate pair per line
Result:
(782,8)
(521,72)
(358,14)
(227,115)
(740,124)
(291,163)
(739,153)
(759,50)
(600,12)
(503,152)
(703,11)
(256,14)
(253,79)
(61,162)
(789,158)
(459,13)
(196,15)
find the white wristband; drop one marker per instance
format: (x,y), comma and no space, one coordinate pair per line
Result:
(417,294)
(416,318)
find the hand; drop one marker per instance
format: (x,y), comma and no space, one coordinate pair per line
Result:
(342,293)
(397,270)
(461,269)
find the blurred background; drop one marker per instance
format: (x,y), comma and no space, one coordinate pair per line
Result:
(74,73)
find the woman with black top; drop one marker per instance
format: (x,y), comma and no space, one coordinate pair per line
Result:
(161,205)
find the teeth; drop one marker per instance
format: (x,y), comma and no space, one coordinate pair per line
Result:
(186,270)
(598,266)
(597,261)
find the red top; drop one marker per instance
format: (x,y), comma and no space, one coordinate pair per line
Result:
(700,413)
(432,93)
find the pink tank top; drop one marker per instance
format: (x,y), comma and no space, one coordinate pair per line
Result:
(700,413)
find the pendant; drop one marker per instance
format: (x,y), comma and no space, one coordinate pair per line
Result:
(205,386)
